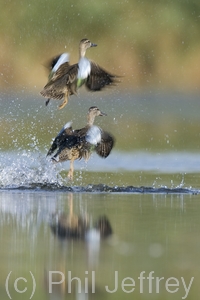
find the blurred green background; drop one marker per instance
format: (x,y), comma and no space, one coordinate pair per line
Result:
(154,45)
(151,43)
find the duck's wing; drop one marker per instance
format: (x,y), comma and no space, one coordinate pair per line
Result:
(62,71)
(106,144)
(69,145)
(99,78)
(72,73)
(65,146)
(69,72)
(55,86)
(60,60)
(93,135)
(102,141)
(55,63)
(67,129)
(62,80)
(51,62)
(62,138)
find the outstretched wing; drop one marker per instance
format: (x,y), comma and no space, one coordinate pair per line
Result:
(57,62)
(102,141)
(52,62)
(61,81)
(59,73)
(65,71)
(99,78)
(93,135)
(63,136)
(106,144)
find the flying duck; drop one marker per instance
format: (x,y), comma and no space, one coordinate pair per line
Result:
(65,79)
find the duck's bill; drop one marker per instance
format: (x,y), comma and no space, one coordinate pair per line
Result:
(93,45)
(103,114)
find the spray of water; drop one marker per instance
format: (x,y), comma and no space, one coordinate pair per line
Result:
(27,169)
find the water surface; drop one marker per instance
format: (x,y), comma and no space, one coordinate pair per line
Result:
(146,193)
(150,233)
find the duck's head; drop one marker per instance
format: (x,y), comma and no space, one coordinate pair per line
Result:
(84,45)
(93,112)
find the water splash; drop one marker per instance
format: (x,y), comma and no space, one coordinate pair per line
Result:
(32,170)
(26,169)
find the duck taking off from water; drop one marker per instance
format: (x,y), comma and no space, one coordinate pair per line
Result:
(76,144)
(65,79)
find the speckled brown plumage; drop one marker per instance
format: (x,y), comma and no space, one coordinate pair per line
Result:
(66,80)
(77,144)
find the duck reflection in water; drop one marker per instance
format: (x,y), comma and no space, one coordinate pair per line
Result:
(78,231)
(73,226)
(76,227)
